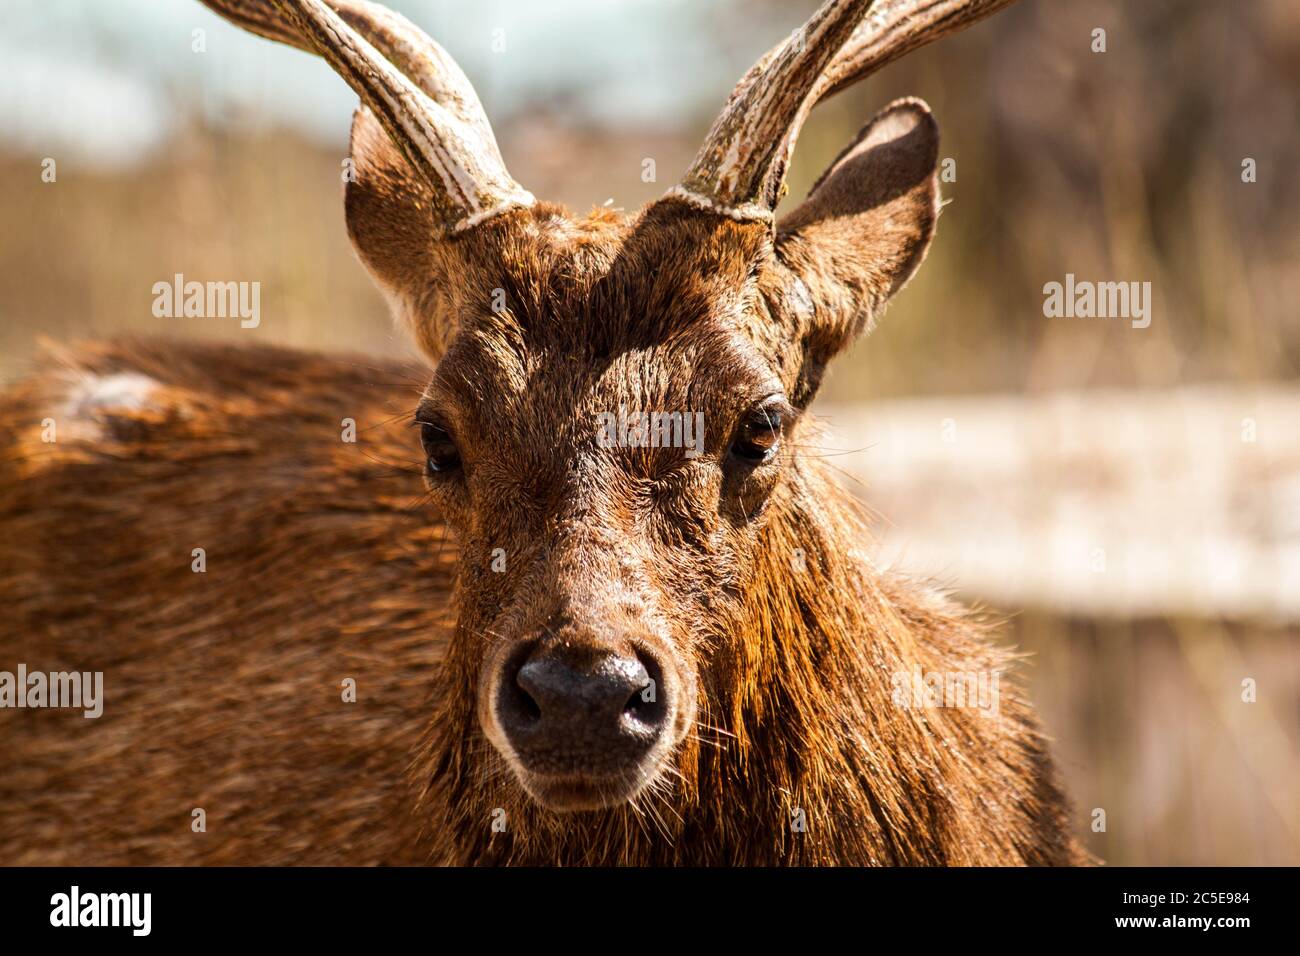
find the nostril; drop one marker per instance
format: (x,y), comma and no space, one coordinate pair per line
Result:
(526,704)
(519,709)
(648,705)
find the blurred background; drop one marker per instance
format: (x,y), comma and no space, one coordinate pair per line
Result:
(1129,498)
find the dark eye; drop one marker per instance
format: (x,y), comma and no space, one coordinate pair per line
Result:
(440,451)
(758,436)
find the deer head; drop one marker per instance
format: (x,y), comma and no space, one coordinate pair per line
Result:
(616,582)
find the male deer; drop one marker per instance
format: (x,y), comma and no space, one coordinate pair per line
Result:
(565,648)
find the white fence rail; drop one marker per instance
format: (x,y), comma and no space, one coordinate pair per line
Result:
(1101,502)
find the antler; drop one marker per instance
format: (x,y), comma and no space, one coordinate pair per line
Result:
(420,96)
(740,169)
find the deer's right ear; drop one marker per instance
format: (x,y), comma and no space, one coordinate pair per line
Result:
(390,218)
(865,227)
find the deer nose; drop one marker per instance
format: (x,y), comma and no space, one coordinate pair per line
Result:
(571,711)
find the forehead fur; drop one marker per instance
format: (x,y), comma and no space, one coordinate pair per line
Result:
(605,283)
(608,309)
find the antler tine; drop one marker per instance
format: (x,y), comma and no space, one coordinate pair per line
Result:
(730,174)
(894,28)
(740,169)
(419,94)
(404,44)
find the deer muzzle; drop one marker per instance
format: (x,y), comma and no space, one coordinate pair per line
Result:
(586,724)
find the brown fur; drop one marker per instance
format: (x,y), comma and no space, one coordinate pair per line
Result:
(328,560)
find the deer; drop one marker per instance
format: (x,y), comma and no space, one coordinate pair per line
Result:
(491,630)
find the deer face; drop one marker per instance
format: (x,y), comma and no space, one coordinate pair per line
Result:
(605,443)
(614,416)
(608,429)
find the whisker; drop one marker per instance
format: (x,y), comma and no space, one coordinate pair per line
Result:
(716,730)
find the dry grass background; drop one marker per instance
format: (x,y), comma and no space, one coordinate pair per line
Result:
(1124,165)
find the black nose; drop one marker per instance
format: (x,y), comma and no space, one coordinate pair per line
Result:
(570,710)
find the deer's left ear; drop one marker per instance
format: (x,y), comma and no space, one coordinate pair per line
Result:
(865,227)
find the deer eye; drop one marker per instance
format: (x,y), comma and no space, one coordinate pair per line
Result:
(758,436)
(440,452)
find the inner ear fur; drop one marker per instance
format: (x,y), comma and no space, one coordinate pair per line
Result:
(865,227)
(389,212)
(388,208)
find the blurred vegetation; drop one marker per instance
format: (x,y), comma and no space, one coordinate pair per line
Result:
(1123,165)
(1148,724)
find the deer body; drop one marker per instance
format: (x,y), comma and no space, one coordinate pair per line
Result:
(562,652)
(223,688)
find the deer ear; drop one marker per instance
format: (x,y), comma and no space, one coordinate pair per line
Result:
(389,212)
(865,227)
